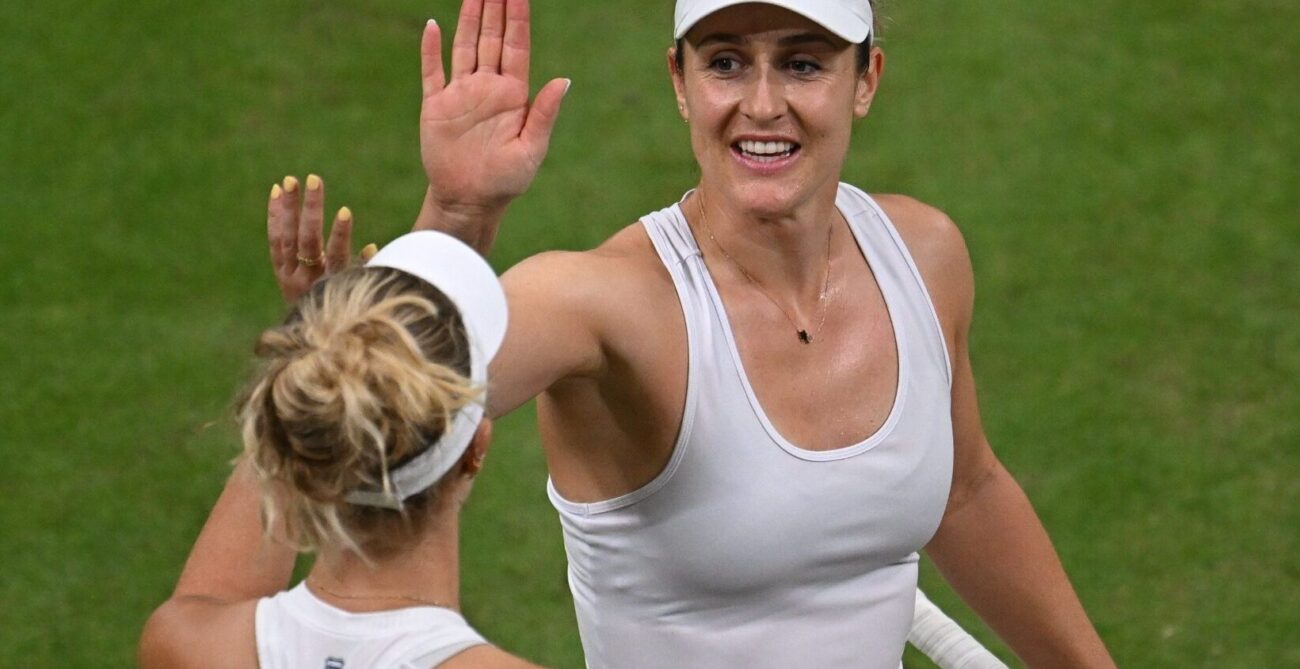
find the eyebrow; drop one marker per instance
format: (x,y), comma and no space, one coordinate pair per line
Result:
(807,38)
(789,40)
(722,38)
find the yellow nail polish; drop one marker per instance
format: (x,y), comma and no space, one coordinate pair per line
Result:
(313,182)
(290,184)
(276,192)
(345,214)
(369,251)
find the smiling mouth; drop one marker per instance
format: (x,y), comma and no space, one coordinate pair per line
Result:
(765,152)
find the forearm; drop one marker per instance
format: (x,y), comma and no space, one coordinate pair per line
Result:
(995,552)
(229,568)
(474,225)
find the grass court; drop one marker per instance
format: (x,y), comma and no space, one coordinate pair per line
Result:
(1124,173)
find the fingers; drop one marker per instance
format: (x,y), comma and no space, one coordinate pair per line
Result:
(464,46)
(491,35)
(311,222)
(541,117)
(275,226)
(516,47)
(289,220)
(340,243)
(294,236)
(432,77)
(368,252)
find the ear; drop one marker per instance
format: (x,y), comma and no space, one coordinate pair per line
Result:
(868,82)
(679,82)
(471,462)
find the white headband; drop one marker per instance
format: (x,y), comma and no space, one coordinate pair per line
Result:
(470,283)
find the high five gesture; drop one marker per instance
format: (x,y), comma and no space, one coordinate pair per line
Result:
(481,141)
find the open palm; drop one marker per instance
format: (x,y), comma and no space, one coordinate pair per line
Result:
(481,141)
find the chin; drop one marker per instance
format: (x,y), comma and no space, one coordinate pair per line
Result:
(771,199)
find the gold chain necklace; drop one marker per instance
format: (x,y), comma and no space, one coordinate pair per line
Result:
(316,585)
(802,333)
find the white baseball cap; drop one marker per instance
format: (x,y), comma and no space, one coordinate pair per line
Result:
(849,19)
(471,284)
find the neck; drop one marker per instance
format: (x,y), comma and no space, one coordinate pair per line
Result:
(786,252)
(427,573)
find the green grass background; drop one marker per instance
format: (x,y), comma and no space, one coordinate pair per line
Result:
(1124,172)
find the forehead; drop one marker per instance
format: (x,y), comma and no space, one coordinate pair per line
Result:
(759,21)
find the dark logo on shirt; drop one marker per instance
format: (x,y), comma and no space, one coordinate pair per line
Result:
(333,663)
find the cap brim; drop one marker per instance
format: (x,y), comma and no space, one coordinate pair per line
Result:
(461,274)
(843,23)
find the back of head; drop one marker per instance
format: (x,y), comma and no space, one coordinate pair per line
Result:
(365,374)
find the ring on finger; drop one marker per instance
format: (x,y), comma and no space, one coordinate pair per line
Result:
(311,262)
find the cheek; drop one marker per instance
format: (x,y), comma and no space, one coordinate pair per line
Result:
(829,122)
(707,142)
(709,117)
(710,104)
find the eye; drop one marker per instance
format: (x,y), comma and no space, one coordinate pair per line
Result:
(804,67)
(724,65)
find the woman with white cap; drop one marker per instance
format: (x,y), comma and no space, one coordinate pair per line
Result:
(363,433)
(756,404)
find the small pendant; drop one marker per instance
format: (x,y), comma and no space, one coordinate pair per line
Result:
(805,337)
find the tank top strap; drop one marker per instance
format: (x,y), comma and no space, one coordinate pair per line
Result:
(673,243)
(672,239)
(264,630)
(895,269)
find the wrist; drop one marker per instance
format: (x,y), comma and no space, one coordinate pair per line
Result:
(473,223)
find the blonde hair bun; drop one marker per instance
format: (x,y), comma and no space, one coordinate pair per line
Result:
(364,374)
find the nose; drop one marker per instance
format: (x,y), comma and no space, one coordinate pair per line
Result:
(765,96)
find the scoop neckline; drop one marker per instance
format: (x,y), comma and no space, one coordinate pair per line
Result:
(897,328)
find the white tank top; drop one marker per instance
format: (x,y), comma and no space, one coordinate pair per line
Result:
(747,550)
(295,630)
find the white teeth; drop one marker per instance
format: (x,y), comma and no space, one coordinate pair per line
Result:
(766,148)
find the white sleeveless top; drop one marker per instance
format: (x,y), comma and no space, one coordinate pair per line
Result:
(295,630)
(747,550)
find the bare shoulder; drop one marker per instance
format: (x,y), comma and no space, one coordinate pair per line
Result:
(931,236)
(597,285)
(625,258)
(574,314)
(200,633)
(939,250)
(486,657)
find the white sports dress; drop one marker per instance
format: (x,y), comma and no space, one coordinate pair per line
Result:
(747,550)
(295,630)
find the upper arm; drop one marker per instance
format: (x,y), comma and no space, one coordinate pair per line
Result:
(940,252)
(556,301)
(199,633)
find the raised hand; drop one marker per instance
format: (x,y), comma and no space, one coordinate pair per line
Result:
(480,140)
(294,230)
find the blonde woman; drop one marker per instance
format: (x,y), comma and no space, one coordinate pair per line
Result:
(362,433)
